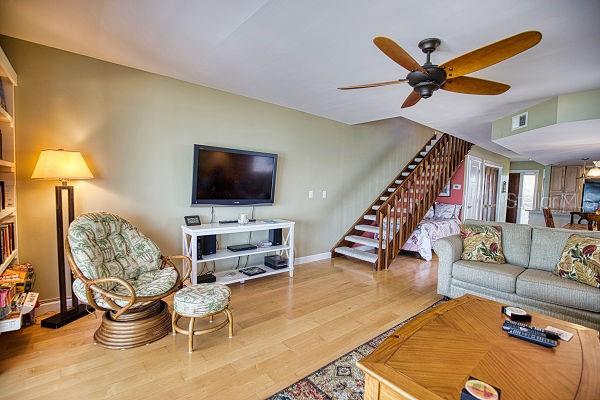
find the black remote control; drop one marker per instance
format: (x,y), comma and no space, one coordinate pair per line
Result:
(523,334)
(508,325)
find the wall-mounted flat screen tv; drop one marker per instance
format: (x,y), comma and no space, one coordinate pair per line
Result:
(233,177)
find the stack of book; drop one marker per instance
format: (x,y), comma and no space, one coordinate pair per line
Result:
(7,240)
(15,299)
(7,293)
(21,277)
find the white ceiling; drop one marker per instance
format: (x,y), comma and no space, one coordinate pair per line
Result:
(295,53)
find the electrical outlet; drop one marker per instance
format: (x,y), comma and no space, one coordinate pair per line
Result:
(311,194)
(324,194)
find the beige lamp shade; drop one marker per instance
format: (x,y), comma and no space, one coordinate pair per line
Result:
(62,165)
(594,172)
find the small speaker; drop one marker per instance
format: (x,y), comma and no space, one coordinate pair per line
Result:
(206,245)
(276,237)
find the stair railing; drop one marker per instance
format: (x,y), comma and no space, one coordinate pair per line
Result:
(404,208)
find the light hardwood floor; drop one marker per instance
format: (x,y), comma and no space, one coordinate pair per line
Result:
(284,330)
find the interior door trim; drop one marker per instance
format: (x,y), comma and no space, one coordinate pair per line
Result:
(499,167)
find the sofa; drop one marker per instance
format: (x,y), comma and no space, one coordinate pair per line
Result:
(526,280)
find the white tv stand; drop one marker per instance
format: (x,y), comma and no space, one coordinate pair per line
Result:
(190,235)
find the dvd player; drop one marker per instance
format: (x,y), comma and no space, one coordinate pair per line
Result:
(241,247)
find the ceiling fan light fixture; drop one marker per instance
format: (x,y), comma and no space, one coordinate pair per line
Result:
(426,89)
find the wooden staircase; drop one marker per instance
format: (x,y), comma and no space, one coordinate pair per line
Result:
(399,208)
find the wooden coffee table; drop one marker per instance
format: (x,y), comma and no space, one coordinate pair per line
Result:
(432,356)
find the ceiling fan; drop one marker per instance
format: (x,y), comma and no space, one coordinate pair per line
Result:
(427,78)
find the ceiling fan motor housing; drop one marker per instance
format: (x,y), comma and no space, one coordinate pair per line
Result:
(426,84)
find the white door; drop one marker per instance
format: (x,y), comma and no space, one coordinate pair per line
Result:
(472,201)
(527,194)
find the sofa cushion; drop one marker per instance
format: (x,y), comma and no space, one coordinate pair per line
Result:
(516,241)
(482,243)
(547,245)
(502,277)
(580,260)
(547,287)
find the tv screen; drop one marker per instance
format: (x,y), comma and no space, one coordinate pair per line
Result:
(233,177)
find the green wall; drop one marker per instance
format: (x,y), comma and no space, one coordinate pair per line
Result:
(570,107)
(137,132)
(579,106)
(542,114)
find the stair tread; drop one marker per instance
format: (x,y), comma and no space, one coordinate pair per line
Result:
(367,228)
(363,240)
(355,253)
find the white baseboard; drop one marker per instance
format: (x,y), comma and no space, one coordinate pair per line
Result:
(50,305)
(312,258)
(53,305)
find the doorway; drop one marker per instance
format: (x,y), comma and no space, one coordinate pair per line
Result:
(522,195)
(482,184)
(491,177)
(512,200)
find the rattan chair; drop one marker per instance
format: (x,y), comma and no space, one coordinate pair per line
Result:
(120,271)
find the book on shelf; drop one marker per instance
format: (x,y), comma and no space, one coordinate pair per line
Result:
(2,97)
(7,240)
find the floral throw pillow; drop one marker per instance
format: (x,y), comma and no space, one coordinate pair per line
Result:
(482,243)
(443,210)
(580,260)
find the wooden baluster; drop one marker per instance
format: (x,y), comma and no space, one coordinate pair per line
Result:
(402,217)
(379,249)
(395,236)
(388,253)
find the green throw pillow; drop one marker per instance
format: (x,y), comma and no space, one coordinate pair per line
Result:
(482,243)
(580,260)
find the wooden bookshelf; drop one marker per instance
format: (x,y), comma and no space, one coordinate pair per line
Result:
(8,261)
(8,213)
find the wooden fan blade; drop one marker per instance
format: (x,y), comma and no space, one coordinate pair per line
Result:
(397,53)
(468,85)
(491,54)
(369,85)
(412,99)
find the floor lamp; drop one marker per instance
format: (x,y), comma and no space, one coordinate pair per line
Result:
(63,165)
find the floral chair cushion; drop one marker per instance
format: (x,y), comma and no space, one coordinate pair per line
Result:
(202,299)
(105,245)
(151,283)
(580,260)
(482,243)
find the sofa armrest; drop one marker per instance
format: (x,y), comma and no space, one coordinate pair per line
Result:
(448,250)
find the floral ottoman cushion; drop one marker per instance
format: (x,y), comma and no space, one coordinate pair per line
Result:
(482,243)
(580,260)
(201,299)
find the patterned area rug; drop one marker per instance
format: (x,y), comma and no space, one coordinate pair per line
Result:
(341,379)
